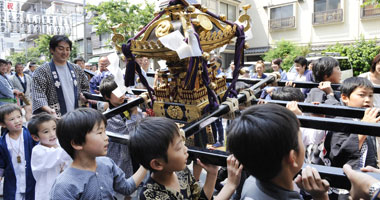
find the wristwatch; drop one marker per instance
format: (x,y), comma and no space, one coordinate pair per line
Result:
(373,189)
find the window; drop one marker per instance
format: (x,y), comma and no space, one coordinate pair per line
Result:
(327,11)
(282,17)
(370,10)
(229,11)
(326,5)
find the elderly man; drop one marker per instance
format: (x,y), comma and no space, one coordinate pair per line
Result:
(23,82)
(30,68)
(95,81)
(58,85)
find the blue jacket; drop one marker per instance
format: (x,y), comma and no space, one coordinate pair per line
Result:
(7,167)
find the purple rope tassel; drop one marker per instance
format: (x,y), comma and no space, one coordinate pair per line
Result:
(239,55)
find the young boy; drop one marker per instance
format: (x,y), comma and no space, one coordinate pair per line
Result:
(124,123)
(354,149)
(15,152)
(266,139)
(48,158)
(81,134)
(159,147)
(326,71)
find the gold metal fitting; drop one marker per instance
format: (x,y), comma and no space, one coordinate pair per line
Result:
(213,85)
(246,46)
(223,17)
(206,55)
(190,9)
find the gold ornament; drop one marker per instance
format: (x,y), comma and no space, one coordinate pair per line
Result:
(205,22)
(175,112)
(163,28)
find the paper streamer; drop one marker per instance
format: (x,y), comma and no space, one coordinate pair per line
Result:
(118,75)
(175,41)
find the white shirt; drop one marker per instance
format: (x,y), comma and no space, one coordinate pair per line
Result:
(16,148)
(47,163)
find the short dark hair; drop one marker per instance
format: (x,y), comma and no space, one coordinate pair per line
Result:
(375,60)
(350,84)
(9,62)
(8,109)
(37,120)
(32,63)
(151,140)
(264,133)
(288,93)
(17,64)
(57,39)
(2,61)
(324,66)
(78,59)
(74,126)
(301,60)
(107,85)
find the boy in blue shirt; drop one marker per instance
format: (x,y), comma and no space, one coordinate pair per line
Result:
(15,153)
(266,139)
(81,134)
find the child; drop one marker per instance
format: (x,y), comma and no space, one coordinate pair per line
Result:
(266,139)
(326,71)
(159,147)
(123,123)
(48,158)
(15,152)
(354,149)
(81,134)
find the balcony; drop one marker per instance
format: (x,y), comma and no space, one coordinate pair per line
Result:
(368,12)
(282,23)
(327,17)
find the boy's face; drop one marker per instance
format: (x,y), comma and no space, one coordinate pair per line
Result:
(46,134)
(96,141)
(13,121)
(116,101)
(335,75)
(177,155)
(361,97)
(299,68)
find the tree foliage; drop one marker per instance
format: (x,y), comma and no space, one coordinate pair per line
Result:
(40,53)
(360,54)
(372,2)
(287,51)
(32,54)
(115,12)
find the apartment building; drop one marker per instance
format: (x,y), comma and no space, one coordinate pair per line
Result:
(319,23)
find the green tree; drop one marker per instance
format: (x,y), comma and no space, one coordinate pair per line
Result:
(114,12)
(372,2)
(360,54)
(32,54)
(287,51)
(40,51)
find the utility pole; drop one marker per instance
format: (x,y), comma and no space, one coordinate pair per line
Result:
(85,31)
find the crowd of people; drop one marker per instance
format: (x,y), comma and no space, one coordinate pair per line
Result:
(54,144)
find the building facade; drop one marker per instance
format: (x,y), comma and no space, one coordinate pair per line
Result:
(319,23)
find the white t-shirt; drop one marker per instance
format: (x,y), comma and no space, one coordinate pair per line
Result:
(16,148)
(67,86)
(47,163)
